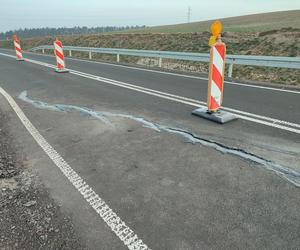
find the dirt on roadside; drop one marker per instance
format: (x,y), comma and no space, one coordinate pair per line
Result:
(29,218)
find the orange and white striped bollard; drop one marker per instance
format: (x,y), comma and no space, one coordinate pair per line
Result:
(216,76)
(60,58)
(19,56)
(215,80)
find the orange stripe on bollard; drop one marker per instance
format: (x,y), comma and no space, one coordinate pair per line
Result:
(216,76)
(60,58)
(18,49)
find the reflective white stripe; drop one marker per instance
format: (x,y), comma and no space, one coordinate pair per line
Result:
(58,48)
(17,45)
(218,61)
(216,93)
(18,53)
(59,61)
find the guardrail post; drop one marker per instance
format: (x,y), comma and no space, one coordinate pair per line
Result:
(230,70)
(160,62)
(43,51)
(90,55)
(70,53)
(118,58)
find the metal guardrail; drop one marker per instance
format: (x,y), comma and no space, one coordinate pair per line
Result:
(262,61)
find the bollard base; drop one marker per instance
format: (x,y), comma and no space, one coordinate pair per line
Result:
(219,117)
(61,70)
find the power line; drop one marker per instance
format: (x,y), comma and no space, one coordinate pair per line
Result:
(189,13)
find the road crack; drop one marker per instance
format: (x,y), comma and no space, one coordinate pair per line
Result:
(285,172)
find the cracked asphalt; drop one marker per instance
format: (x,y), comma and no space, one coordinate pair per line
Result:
(172,193)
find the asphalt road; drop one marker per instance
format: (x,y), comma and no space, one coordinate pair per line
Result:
(276,104)
(172,193)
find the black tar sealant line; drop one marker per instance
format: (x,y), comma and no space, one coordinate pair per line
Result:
(285,172)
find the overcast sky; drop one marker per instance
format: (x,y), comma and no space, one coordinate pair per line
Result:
(69,13)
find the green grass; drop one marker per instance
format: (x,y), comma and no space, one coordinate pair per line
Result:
(248,23)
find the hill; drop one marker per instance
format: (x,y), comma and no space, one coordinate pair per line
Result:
(248,23)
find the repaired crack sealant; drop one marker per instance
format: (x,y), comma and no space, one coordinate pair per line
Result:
(285,172)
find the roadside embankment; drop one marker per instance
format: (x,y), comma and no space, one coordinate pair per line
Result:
(283,42)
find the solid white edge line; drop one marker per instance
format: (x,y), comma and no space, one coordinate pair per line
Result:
(263,87)
(274,122)
(174,74)
(180,75)
(98,78)
(124,233)
(274,125)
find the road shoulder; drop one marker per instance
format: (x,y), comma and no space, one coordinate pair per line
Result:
(30,218)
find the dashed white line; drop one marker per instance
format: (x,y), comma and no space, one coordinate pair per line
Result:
(125,234)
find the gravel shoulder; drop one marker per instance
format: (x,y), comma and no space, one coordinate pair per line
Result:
(29,217)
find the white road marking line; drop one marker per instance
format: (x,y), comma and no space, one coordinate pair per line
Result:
(174,74)
(186,76)
(263,87)
(270,124)
(268,121)
(177,74)
(185,99)
(125,234)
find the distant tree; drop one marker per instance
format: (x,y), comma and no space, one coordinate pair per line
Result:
(40,32)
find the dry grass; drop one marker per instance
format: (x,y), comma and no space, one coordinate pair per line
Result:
(248,23)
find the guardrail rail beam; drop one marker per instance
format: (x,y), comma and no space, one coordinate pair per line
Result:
(261,61)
